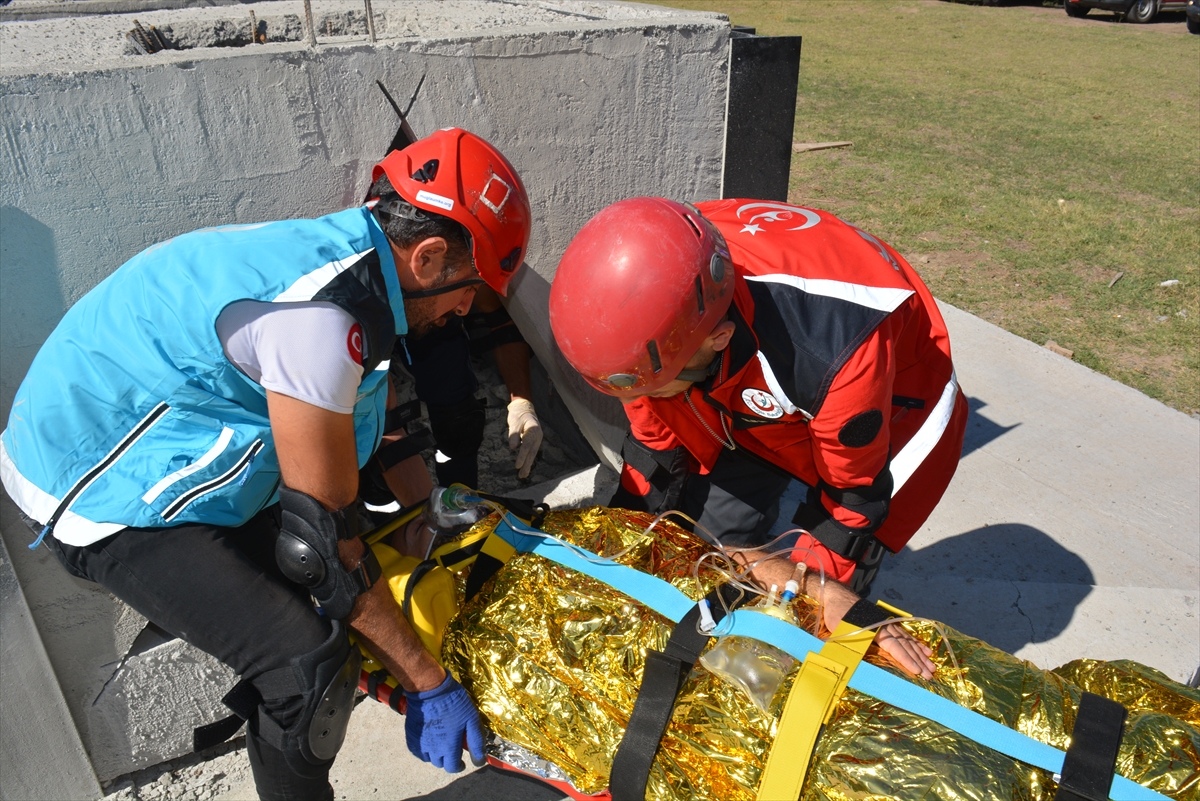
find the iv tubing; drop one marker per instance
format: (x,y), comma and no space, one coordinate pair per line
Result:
(937,625)
(731,572)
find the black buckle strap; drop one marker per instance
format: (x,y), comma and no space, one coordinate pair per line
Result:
(374,679)
(486,565)
(452,560)
(205,737)
(368,570)
(484,568)
(864,613)
(1092,758)
(880,489)
(396,452)
(243,700)
(401,416)
(395,698)
(838,538)
(657,467)
(419,572)
(662,678)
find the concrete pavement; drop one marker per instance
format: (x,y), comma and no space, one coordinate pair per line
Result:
(1070,530)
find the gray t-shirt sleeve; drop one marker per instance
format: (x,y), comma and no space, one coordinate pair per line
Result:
(309,351)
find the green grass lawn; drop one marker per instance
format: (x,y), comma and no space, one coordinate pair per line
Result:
(1020,160)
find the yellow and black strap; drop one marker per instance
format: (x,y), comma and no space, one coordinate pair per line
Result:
(813,697)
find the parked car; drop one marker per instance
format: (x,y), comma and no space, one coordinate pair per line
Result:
(1131,10)
(1193,16)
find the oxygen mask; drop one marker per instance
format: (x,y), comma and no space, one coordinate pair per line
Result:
(451,511)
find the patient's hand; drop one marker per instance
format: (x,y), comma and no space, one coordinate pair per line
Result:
(912,654)
(836,599)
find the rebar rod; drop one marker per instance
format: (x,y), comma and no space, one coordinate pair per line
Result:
(370,21)
(308,24)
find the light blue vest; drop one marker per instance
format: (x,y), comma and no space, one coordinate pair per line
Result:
(131,415)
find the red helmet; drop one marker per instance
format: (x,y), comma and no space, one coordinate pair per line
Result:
(638,290)
(458,175)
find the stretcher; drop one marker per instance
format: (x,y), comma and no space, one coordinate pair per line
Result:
(585,670)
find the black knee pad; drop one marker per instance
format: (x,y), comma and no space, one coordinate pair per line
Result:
(322,682)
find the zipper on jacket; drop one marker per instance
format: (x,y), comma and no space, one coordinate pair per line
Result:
(244,463)
(83,483)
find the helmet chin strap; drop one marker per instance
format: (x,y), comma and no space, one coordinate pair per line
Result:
(703,374)
(441,290)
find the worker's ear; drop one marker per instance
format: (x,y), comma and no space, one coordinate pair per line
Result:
(426,260)
(718,340)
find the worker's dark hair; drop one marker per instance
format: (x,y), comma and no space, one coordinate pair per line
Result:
(406,225)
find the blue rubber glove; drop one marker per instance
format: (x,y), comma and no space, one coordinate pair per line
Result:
(436,721)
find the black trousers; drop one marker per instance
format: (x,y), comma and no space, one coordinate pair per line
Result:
(738,502)
(440,365)
(220,590)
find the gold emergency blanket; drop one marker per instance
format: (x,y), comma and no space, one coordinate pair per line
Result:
(554,660)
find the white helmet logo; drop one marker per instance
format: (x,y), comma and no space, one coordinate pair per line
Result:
(762,403)
(780,212)
(501,193)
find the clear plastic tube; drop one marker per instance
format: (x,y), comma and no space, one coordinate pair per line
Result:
(941,630)
(591,557)
(737,574)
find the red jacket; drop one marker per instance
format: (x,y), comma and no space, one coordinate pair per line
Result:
(839,360)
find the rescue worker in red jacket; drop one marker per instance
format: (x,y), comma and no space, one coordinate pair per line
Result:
(753,343)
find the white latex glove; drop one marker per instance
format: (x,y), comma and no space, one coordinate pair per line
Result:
(524,432)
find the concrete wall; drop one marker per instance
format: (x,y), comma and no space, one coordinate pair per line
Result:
(37,722)
(104,154)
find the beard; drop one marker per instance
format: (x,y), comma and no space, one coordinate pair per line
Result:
(423,318)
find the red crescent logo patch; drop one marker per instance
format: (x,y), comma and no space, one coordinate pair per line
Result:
(762,403)
(354,343)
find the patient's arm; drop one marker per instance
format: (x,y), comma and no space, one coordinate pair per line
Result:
(836,599)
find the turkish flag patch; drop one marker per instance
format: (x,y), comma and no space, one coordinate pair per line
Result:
(354,343)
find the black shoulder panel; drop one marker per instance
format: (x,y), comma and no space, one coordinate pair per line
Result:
(861,429)
(360,290)
(808,338)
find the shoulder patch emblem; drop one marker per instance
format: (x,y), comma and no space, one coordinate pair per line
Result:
(354,343)
(762,403)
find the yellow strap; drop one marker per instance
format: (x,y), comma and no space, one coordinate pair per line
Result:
(847,647)
(378,534)
(815,693)
(442,551)
(498,548)
(808,707)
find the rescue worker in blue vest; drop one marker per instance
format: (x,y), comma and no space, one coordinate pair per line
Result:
(190,437)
